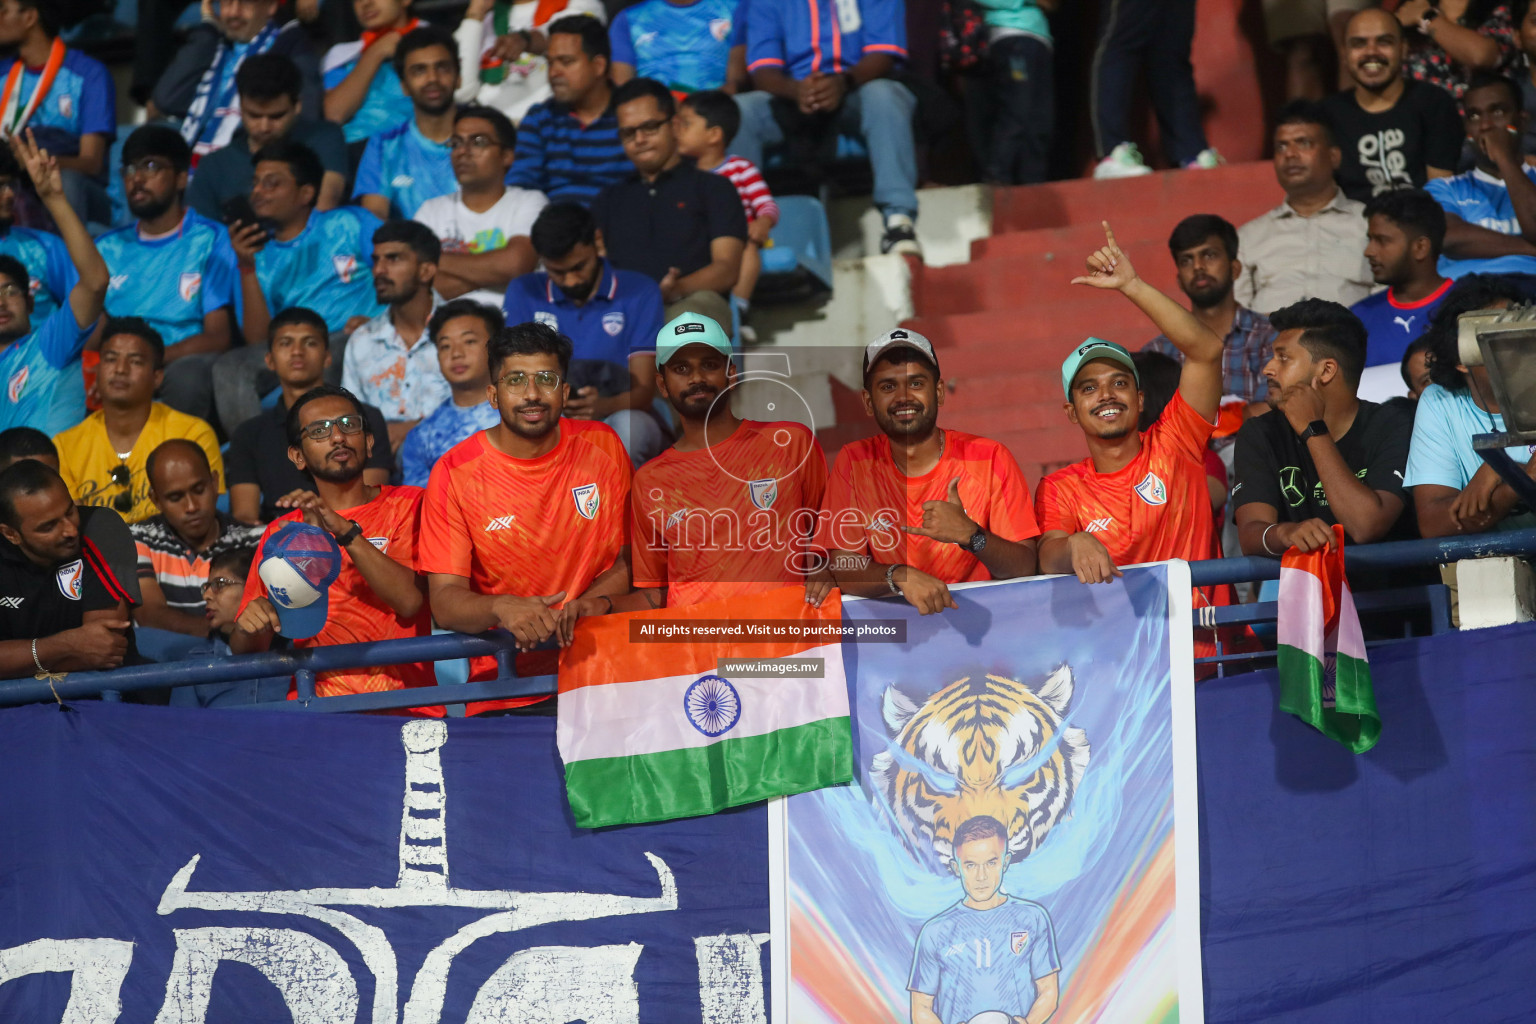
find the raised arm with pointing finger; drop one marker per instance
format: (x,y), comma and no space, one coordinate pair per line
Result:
(86,298)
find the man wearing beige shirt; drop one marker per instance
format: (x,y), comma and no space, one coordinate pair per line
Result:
(1312,246)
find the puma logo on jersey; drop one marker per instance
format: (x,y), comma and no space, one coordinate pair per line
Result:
(1099,525)
(1406,325)
(12,603)
(499,523)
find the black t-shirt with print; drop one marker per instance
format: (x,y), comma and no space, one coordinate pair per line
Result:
(1391,150)
(38,601)
(1272,465)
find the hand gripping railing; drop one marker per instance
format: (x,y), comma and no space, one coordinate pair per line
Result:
(303,664)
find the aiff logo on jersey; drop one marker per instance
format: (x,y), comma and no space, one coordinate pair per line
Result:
(1017,941)
(190,284)
(70,579)
(17,384)
(763,492)
(720,28)
(1152,490)
(346,266)
(588,499)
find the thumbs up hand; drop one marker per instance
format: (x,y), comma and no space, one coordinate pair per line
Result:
(945,520)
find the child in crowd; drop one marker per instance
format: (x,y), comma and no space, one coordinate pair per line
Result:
(221,595)
(705,125)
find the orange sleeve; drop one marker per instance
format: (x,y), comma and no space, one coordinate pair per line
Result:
(835,528)
(409,517)
(1012,514)
(647,545)
(1052,508)
(1186,430)
(444,544)
(254,588)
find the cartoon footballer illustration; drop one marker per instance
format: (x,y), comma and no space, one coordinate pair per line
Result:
(991,958)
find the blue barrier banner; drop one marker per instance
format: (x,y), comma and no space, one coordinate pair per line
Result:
(168,866)
(1021,834)
(1390,887)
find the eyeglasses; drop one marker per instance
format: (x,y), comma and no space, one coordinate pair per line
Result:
(148,166)
(477,142)
(517,380)
(646,128)
(121,475)
(319,430)
(218,583)
(7,184)
(11,291)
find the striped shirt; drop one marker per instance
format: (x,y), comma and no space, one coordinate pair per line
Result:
(755,197)
(180,570)
(564,159)
(1246,350)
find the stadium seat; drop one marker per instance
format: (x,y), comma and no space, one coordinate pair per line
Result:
(799,262)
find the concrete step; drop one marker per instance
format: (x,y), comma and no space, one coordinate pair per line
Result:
(1078,238)
(1238,192)
(988,342)
(1017,282)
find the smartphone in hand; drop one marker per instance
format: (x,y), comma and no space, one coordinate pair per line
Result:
(238,209)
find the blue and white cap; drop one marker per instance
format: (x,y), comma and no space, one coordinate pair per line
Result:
(298,565)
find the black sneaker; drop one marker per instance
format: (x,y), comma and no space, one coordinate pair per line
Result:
(900,236)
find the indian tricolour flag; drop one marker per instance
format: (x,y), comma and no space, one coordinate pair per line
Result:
(651,728)
(1325,679)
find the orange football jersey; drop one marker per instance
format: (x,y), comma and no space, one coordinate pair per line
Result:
(869,500)
(728,520)
(355,614)
(1155,507)
(528,527)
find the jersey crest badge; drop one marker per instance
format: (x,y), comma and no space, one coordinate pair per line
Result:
(588,500)
(70,579)
(546,318)
(190,285)
(66,106)
(720,28)
(1152,490)
(1017,941)
(613,323)
(345,266)
(763,492)
(17,384)
(382,543)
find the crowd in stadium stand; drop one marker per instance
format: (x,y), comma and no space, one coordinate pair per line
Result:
(466,299)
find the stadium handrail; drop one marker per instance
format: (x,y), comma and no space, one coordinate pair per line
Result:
(303,664)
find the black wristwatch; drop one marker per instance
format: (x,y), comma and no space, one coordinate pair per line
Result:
(351,535)
(977,542)
(1317,428)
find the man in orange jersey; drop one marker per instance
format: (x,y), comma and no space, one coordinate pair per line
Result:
(378,595)
(523,525)
(731,507)
(919,507)
(1138,497)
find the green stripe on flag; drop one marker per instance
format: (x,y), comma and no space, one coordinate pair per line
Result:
(1352,720)
(703,780)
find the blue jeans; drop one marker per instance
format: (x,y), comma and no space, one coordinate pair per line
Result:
(1155,34)
(642,435)
(879,112)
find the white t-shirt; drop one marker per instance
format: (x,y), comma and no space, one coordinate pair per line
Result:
(462,230)
(527,78)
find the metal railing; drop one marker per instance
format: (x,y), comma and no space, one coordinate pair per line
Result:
(303,665)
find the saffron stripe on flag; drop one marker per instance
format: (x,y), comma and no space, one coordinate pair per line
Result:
(648,716)
(704,780)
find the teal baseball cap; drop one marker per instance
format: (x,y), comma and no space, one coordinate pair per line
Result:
(690,329)
(1094,348)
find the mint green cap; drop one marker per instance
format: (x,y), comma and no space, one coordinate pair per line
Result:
(1094,348)
(690,329)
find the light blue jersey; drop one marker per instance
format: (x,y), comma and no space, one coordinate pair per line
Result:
(172,282)
(684,46)
(46,258)
(976,960)
(1442,454)
(44,386)
(443,428)
(81,101)
(406,168)
(1479,198)
(328,268)
(384,106)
